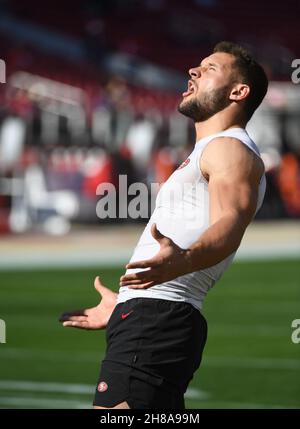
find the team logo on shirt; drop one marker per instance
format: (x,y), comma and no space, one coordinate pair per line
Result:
(184,164)
(102,387)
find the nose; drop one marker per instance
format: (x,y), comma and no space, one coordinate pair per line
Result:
(195,72)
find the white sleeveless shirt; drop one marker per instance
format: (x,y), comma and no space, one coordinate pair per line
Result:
(182,214)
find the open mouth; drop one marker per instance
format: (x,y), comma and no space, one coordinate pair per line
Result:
(190,90)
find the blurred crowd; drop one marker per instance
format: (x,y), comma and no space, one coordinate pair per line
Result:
(67,127)
(54,152)
(60,146)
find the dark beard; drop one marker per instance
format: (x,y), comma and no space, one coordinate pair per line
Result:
(200,110)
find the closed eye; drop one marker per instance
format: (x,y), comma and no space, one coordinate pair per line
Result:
(208,66)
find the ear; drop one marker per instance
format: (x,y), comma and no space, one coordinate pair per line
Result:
(239,92)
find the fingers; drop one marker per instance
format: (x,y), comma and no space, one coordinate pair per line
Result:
(147,263)
(98,285)
(78,324)
(156,233)
(67,315)
(140,277)
(74,319)
(132,282)
(143,285)
(134,276)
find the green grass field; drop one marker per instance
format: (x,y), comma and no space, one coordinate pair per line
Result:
(249,360)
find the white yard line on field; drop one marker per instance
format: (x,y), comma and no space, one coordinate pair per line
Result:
(70,388)
(28,402)
(37,386)
(257,363)
(231,404)
(50,355)
(50,403)
(18,401)
(213,361)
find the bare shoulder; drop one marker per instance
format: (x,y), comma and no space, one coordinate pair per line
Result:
(230,157)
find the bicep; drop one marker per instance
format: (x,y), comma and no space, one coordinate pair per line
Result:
(230,197)
(234,173)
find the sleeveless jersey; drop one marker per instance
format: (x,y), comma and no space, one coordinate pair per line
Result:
(182,214)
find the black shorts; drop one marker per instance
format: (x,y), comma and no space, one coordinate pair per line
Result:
(154,346)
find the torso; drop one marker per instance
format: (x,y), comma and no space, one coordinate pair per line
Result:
(182,214)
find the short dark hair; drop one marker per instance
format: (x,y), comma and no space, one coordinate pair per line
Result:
(249,71)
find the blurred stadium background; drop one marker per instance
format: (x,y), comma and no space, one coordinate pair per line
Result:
(91,92)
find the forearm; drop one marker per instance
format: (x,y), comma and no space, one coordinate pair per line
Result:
(220,240)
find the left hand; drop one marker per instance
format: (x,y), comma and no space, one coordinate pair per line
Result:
(170,262)
(96,317)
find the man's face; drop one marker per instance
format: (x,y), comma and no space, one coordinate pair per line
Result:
(209,87)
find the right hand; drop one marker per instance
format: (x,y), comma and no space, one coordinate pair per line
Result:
(95,317)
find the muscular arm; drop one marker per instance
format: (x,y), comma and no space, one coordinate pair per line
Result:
(233,173)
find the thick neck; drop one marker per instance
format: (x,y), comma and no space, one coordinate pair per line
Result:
(221,121)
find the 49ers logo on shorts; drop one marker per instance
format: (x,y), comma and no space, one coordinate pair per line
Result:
(102,387)
(184,163)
